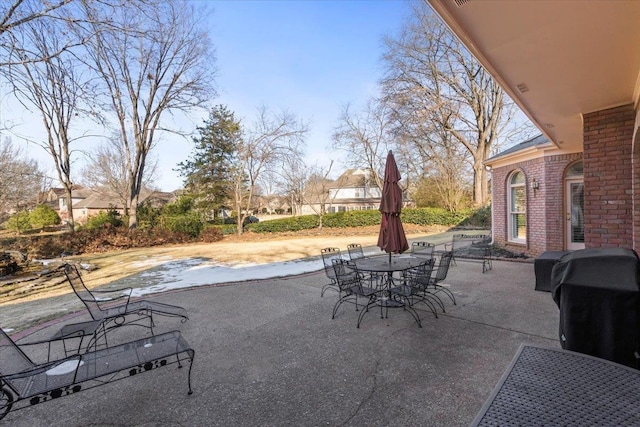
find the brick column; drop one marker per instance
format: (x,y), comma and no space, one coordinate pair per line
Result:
(636,183)
(608,177)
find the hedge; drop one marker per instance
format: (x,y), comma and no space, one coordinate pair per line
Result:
(421,216)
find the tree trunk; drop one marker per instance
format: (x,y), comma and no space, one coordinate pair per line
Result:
(133,212)
(480,188)
(70,221)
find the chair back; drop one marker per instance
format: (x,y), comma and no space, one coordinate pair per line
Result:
(419,277)
(422,249)
(328,255)
(85,295)
(346,274)
(355,251)
(443,267)
(12,359)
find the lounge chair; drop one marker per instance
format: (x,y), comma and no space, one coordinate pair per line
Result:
(24,383)
(115,308)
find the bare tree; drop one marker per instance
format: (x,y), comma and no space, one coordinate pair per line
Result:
(364,138)
(17,14)
(161,62)
(21,179)
(107,169)
(54,88)
(264,145)
(290,177)
(438,93)
(317,190)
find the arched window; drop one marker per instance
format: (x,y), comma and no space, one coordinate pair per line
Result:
(517,208)
(575,170)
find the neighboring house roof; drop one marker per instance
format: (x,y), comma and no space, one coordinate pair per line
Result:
(352,178)
(106,199)
(99,201)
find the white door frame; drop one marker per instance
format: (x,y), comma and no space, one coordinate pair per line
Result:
(569,214)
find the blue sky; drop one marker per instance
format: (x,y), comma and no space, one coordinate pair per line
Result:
(307,57)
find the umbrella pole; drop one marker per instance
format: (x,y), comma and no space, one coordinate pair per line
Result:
(389,257)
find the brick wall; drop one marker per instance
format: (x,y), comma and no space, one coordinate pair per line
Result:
(608,195)
(545,209)
(636,184)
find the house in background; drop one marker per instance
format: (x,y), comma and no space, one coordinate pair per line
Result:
(355,189)
(88,202)
(574,69)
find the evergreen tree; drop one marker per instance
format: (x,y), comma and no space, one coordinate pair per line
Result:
(208,172)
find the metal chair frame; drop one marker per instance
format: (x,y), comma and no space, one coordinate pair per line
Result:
(423,249)
(24,383)
(115,308)
(355,251)
(441,274)
(328,254)
(413,290)
(350,282)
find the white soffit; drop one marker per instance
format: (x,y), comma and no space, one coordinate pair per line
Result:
(557,59)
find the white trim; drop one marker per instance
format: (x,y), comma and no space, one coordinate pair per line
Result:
(510,213)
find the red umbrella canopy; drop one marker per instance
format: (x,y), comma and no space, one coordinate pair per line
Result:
(391,238)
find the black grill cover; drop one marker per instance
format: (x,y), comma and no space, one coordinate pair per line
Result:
(598,296)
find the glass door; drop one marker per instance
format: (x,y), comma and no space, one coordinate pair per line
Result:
(575,214)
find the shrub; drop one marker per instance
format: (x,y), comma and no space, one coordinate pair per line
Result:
(481,217)
(210,234)
(19,222)
(433,216)
(286,224)
(183,205)
(147,216)
(190,224)
(352,219)
(111,217)
(43,216)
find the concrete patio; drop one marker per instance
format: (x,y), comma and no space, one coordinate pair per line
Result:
(269,354)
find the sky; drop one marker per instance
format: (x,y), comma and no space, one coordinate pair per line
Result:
(310,58)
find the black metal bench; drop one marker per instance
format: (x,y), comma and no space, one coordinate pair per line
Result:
(471,248)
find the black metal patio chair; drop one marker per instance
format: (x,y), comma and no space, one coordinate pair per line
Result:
(328,255)
(440,274)
(412,290)
(423,249)
(115,308)
(355,251)
(352,288)
(24,383)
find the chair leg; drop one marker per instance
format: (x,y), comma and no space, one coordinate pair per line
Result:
(408,306)
(447,292)
(338,304)
(365,310)
(329,286)
(433,298)
(426,301)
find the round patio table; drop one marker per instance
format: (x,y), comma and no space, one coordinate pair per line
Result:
(384,266)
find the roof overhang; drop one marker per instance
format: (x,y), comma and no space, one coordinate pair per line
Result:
(558,60)
(524,155)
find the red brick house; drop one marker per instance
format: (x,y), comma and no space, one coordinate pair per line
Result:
(574,69)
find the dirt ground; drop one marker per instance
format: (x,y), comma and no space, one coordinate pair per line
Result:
(248,247)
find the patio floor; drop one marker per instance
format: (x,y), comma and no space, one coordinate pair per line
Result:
(269,354)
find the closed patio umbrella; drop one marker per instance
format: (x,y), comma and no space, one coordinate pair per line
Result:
(391,238)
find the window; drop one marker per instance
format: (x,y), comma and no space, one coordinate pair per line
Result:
(517,208)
